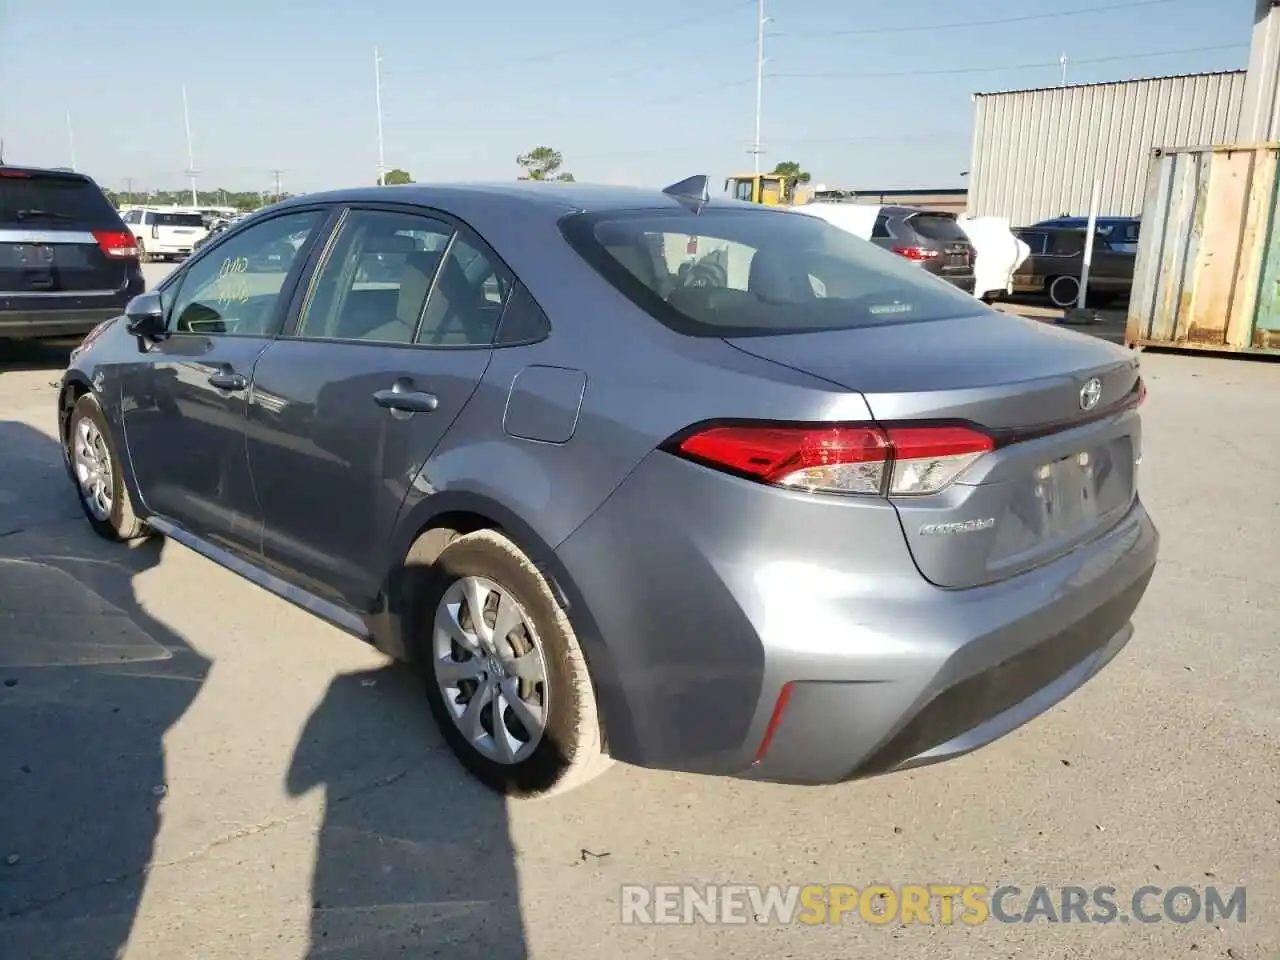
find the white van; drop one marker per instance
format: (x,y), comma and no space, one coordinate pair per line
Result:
(164,234)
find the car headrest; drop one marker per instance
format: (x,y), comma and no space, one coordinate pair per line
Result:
(390,243)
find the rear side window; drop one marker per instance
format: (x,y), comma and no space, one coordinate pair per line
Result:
(881,229)
(178,220)
(740,273)
(49,200)
(1066,243)
(1037,242)
(936,226)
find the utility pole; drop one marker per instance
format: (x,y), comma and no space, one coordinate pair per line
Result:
(377,80)
(71,140)
(276,174)
(1062,62)
(761,21)
(191,155)
(128,187)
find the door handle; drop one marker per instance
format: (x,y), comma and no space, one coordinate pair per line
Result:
(228,380)
(402,397)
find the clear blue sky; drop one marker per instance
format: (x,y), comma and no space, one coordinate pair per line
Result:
(641,93)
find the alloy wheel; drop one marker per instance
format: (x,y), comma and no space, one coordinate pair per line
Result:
(489,666)
(93,469)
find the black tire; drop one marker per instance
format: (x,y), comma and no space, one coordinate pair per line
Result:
(120,522)
(1063,291)
(570,751)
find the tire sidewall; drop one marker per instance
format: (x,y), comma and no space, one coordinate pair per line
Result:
(1072,283)
(121,518)
(567,716)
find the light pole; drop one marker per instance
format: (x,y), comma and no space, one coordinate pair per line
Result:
(761,21)
(71,140)
(191,155)
(377,81)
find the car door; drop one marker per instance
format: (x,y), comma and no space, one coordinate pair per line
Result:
(183,398)
(387,346)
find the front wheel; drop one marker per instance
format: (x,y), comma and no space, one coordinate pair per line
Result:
(505,676)
(95,468)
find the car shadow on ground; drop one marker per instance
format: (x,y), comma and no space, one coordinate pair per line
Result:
(91,683)
(16,355)
(412,856)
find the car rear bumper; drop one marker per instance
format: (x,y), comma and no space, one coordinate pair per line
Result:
(964,283)
(712,595)
(50,324)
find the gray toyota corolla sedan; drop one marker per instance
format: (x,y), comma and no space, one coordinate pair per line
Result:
(633,474)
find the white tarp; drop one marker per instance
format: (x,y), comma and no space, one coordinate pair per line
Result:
(997,253)
(856,218)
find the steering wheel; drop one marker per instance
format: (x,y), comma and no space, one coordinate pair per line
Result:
(703,274)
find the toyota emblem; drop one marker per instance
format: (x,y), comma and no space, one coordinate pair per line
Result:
(1090,394)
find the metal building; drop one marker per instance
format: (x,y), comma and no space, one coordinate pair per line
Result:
(1260,119)
(1037,153)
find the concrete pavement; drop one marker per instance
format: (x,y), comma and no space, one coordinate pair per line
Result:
(190,767)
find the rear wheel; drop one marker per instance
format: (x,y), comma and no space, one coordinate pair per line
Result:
(95,468)
(1063,291)
(505,676)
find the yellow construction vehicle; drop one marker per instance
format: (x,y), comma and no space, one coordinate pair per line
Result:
(770,189)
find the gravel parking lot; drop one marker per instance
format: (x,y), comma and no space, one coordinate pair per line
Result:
(197,768)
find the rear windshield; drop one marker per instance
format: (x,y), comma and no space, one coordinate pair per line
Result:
(737,273)
(935,226)
(49,200)
(178,220)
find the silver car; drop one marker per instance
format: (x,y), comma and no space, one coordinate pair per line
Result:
(633,474)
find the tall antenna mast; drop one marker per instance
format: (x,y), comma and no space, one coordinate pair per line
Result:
(377,80)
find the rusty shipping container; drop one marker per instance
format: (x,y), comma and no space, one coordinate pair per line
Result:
(1207,274)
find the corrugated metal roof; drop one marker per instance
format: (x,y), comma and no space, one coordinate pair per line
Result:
(1037,153)
(1110,83)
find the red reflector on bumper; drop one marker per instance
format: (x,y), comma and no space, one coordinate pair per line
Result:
(778,709)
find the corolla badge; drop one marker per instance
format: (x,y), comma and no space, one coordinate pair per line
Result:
(1090,394)
(947,529)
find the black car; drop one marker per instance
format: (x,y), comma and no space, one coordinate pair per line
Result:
(1056,265)
(67,261)
(930,238)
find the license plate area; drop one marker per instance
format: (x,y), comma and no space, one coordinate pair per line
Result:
(33,256)
(1068,491)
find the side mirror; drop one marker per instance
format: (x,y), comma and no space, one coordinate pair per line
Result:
(145,316)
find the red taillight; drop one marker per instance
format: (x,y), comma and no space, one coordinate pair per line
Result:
(856,459)
(1142,391)
(917,253)
(779,709)
(116,244)
(15,174)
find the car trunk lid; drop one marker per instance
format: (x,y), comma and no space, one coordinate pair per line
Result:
(1059,406)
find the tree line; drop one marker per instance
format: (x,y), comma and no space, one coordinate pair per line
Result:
(540,163)
(244,200)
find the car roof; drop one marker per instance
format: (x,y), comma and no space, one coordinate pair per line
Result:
(553,198)
(61,173)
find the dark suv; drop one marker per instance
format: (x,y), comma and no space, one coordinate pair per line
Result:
(67,261)
(930,238)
